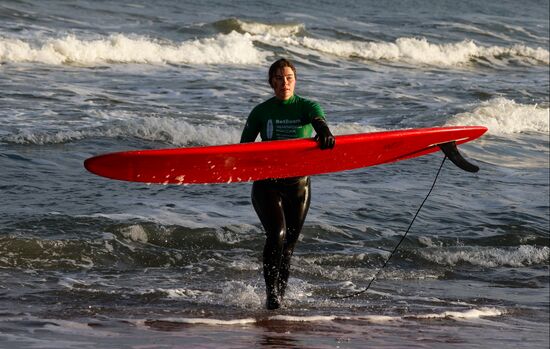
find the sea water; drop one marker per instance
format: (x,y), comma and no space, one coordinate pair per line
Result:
(87,262)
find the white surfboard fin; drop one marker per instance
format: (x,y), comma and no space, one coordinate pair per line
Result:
(451,151)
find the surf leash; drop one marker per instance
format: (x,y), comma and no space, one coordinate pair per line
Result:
(451,151)
(355,294)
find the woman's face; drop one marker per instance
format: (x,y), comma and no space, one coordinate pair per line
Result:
(283,83)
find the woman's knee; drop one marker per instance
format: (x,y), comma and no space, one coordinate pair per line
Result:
(276,236)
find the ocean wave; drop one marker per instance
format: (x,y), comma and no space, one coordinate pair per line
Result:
(232,48)
(231,293)
(167,130)
(206,321)
(186,238)
(65,254)
(238,47)
(521,256)
(504,117)
(173,131)
(415,50)
(467,314)
(31,253)
(343,128)
(357,267)
(258,28)
(238,294)
(405,49)
(500,115)
(459,314)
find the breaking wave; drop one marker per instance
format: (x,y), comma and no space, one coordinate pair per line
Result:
(419,51)
(168,130)
(500,115)
(520,256)
(459,315)
(238,44)
(258,28)
(503,117)
(232,48)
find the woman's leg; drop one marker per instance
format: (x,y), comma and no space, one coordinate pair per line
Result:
(268,204)
(295,207)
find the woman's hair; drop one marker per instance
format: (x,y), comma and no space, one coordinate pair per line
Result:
(280,64)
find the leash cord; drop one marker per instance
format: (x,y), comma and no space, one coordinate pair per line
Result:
(399,243)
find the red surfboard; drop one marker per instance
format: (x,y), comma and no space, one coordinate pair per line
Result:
(274,159)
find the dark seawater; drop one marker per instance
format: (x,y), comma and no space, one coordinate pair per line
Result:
(86,262)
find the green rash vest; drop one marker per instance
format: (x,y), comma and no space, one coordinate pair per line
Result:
(276,120)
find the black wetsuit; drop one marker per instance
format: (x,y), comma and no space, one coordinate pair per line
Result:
(282,204)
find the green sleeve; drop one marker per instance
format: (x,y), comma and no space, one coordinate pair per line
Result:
(313,109)
(251,128)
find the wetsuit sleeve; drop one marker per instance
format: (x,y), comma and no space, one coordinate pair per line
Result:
(316,116)
(251,128)
(312,110)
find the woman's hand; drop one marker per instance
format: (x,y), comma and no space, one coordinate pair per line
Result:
(324,136)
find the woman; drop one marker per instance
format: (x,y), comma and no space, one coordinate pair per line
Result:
(282,204)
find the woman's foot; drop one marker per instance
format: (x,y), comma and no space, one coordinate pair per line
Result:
(272,302)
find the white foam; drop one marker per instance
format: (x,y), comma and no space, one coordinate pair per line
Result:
(135,233)
(228,236)
(241,294)
(352,128)
(428,242)
(500,115)
(380,319)
(174,131)
(524,255)
(504,117)
(232,48)
(395,297)
(314,318)
(70,283)
(311,265)
(232,294)
(27,136)
(414,50)
(237,48)
(159,216)
(277,29)
(169,130)
(182,293)
(212,322)
(468,314)
(245,265)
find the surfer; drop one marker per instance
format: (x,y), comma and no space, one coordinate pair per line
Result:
(282,204)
